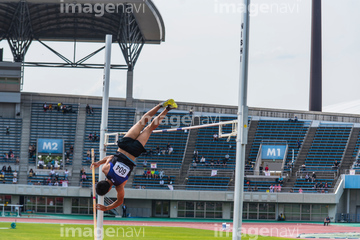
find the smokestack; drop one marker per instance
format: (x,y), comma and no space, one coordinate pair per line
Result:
(315,101)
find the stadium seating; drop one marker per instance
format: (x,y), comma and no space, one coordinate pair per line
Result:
(177,140)
(308,187)
(88,181)
(214,150)
(119,120)
(8,178)
(328,146)
(54,125)
(279,130)
(11,140)
(262,185)
(207,183)
(140,182)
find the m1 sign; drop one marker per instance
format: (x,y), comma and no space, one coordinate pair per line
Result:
(50,146)
(273,151)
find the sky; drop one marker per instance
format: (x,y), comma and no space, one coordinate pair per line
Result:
(199,61)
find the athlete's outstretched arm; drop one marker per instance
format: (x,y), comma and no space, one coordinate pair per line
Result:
(101,162)
(120,199)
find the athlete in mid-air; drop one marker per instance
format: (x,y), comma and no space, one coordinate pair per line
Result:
(117,168)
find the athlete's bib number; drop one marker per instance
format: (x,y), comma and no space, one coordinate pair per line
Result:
(121,169)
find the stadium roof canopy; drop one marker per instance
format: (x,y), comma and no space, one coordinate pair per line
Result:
(132,23)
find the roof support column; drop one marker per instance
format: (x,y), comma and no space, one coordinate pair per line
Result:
(20,34)
(129,87)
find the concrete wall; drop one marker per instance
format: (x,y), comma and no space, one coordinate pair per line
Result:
(67,204)
(7,110)
(139,207)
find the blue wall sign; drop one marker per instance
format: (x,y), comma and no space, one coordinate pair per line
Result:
(273,151)
(50,145)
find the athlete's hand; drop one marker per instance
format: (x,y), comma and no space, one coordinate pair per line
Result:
(94,165)
(101,207)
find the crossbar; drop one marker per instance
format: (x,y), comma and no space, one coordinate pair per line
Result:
(233,122)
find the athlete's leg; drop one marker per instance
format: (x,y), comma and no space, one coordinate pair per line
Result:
(134,132)
(136,129)
(145,135)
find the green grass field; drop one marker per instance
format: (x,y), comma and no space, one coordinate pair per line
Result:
(30,231)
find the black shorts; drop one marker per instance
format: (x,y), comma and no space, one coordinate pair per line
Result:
(132,146)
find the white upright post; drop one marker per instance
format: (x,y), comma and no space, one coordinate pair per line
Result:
(241,139)
(103,127)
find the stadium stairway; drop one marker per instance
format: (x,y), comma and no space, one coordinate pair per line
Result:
(25,142)
(251,136)
(348,158)
(189,153)
(301,157)
(78,147)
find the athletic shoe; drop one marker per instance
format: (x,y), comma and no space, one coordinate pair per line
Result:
(169,102)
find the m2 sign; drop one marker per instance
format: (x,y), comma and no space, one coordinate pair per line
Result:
(50,146)
(273,152)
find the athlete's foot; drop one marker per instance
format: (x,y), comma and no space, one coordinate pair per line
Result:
(172,105)
(169,102)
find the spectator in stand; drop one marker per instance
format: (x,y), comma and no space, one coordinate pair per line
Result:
(148,174)
(145,163)
(191,112)
(281,180)
(14,180)
(7,130)
(50,107)
(88,159)
(300,190)
(168,146)
(90,138)
(88,109)
(145,173)
(95,137)
(17,160)
(45,107)
(303,167)
(83,176)
(158,150)
(6,156)
(194,164)
(298,144)
(196,154)
(279,188)
(215,137)
(161,182)
(169,180)
(2,176)
(307,177)
(266,168)
(88,153)
(336,165)
(52,173)
(31,173)
(212,162)
(161,174)
(218,163)
(156,174)
(202,160)
(276,188)
(171,149)
(15,174)
(313,177)
(256,188)
(152,173)
(71,149)
(271,188)
(4,168)
(9,169)
(66,174)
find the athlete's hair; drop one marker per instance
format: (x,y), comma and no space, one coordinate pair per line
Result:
(102,187)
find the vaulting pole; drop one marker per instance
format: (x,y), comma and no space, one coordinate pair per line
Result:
(103,126)
(241,139)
